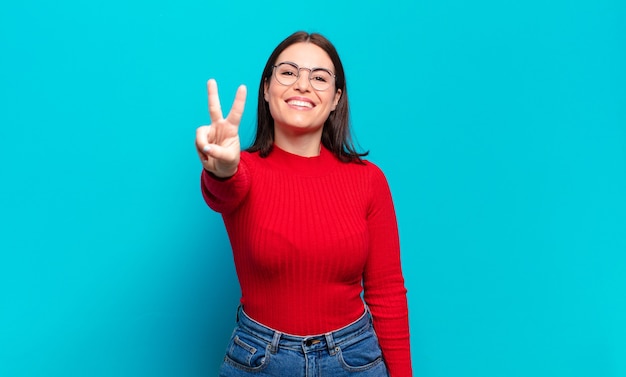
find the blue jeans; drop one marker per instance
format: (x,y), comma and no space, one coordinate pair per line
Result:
(257,350)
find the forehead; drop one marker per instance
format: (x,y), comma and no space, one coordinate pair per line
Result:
(306,54)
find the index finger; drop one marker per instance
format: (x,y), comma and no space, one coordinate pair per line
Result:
(215,109)
(236,111)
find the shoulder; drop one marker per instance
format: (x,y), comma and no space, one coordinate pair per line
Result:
(378,184)
(372,167)
(371,170)
(249,155)
(250,158)
(367,177)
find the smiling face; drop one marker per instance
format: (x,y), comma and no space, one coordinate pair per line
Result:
(298,108)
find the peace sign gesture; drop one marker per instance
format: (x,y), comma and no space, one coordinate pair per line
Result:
(218,143)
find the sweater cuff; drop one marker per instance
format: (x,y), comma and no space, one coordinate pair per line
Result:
(219,179)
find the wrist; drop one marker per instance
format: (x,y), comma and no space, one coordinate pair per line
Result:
(222,174)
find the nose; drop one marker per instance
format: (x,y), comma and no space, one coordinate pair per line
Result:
(303,83)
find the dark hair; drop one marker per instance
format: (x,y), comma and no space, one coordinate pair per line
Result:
(336,132)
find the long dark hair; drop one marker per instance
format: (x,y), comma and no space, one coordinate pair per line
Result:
(336,132)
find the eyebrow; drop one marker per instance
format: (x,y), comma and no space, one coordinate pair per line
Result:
(311,68)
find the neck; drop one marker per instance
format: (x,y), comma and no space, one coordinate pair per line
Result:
(305,145)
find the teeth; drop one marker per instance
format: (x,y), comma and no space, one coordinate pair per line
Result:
(300,103)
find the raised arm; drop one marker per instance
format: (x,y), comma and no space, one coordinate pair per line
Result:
(220,153)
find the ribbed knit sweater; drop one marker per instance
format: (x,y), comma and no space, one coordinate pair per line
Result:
(309,235)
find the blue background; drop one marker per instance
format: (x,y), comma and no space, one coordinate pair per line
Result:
(501,126)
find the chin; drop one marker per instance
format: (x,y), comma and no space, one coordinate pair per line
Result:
(301,127)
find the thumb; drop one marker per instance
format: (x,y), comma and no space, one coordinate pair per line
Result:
(220,153)
(225,162)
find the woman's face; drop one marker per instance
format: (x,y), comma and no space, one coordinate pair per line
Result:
(298,108)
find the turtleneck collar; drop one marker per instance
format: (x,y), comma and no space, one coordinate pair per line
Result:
(303,166)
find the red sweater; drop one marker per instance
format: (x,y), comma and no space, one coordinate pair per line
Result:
(308,236)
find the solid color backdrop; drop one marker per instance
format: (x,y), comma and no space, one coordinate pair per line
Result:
(501,127)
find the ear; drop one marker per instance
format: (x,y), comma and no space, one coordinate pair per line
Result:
(266,87)
(336,99)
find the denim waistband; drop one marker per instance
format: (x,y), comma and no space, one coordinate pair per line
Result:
(309,343)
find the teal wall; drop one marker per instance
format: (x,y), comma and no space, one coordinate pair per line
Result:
(501,126)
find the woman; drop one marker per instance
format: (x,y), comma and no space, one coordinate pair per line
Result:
(311,224)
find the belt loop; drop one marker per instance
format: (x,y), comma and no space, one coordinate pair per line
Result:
(238,310)
(330,343)
(275,340)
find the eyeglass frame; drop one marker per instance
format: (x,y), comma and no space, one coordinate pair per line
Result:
(298,68)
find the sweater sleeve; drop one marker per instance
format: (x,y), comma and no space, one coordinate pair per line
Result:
(225,195)
(383,282)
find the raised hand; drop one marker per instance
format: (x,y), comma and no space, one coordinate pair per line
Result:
(218,143)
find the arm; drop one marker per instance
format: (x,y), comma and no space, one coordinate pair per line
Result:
(383,282)
(225,180)
(225,194)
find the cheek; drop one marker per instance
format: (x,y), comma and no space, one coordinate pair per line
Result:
(273,93)
(273,104)
(332,102)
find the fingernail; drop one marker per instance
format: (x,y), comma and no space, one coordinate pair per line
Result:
(206,149)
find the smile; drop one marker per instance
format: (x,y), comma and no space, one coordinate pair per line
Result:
(298,103)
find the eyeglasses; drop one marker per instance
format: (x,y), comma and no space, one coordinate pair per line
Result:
(288,73)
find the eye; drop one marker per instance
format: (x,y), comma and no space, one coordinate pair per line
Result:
(319,78)
(321,75)
(287,70)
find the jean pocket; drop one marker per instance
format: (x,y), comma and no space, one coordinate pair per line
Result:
(361,355)
(247,352)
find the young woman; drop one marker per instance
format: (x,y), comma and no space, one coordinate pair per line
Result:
(311,224)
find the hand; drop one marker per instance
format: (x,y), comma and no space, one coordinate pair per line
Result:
(218,143)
